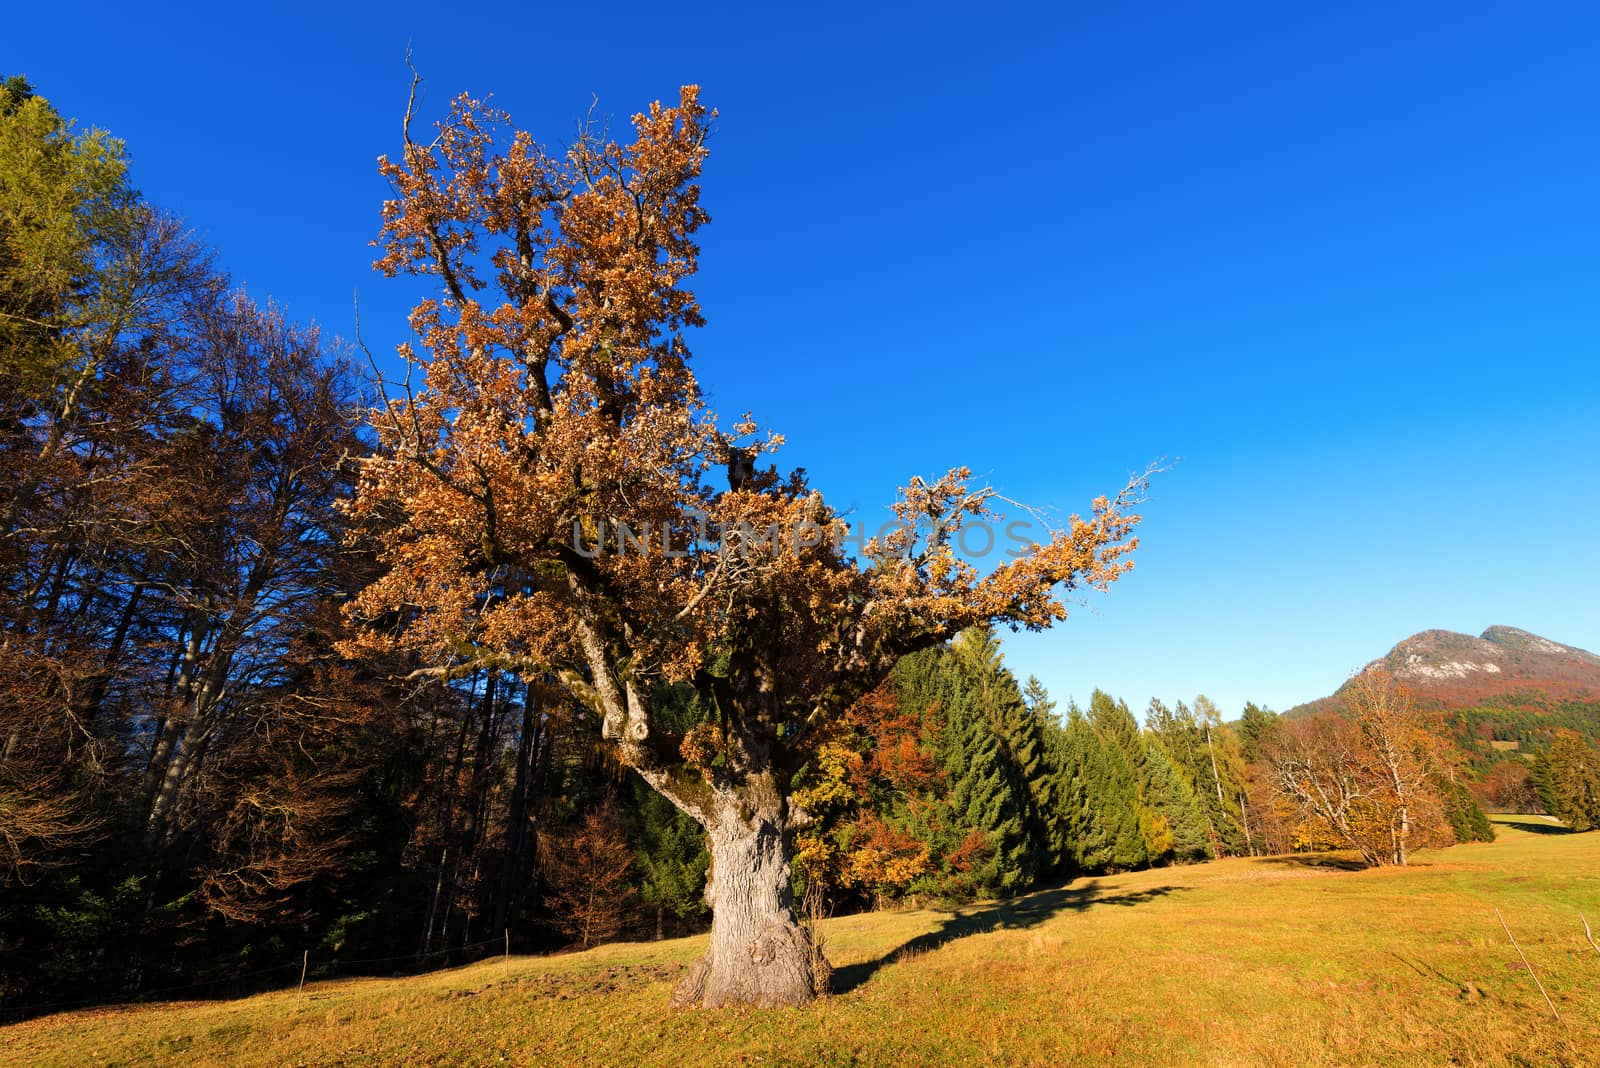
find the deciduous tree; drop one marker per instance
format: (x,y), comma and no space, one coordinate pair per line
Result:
(1508,787)
(1366,776)
(589,876)
(556,473)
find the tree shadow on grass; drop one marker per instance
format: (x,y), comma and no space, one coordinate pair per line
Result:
(1327,861)
(1430,972)
(1534,825)
(1019,913)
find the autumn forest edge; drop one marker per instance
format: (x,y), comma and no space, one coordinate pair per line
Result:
(226,748)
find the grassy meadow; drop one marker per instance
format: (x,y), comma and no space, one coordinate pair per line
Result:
(1265,961)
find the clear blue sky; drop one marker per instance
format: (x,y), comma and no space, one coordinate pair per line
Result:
(1342,262)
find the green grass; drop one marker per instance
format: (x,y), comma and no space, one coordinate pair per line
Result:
(1268,961)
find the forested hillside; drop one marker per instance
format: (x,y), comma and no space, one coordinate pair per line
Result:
(1504,699)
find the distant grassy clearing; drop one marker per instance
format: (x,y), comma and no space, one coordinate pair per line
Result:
(1277,961)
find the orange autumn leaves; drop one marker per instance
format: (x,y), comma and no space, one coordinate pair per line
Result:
(875,749)
(553,402)
(1366,778)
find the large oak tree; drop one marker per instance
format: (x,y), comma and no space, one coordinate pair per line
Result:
(553,488)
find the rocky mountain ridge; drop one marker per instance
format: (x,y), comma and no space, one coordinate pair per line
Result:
(1453,669)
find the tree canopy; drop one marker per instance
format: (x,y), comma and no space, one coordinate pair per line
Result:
(552,473)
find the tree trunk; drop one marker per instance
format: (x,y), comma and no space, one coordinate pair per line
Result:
(513,871)
(181,760)
(759,954)
(1244,818)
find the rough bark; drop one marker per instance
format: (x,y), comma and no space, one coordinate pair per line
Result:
(759,954)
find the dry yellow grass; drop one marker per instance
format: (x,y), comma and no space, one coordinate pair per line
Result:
(1242,962)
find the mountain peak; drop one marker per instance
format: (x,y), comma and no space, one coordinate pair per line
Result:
(1525,641)
(1459,669)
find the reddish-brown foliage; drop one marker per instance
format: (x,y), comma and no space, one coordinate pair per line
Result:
(589,876)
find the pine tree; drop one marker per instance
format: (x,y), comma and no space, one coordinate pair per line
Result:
(1256,724)
(1038,700)
(1119,732)
(1567,777)
(986,792)
(1018,729)
(1117,786)
(1462,811)
(1102,802)
(1087,839)
(672,857)
(1050,789)
(1169,792)
(1208,754)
